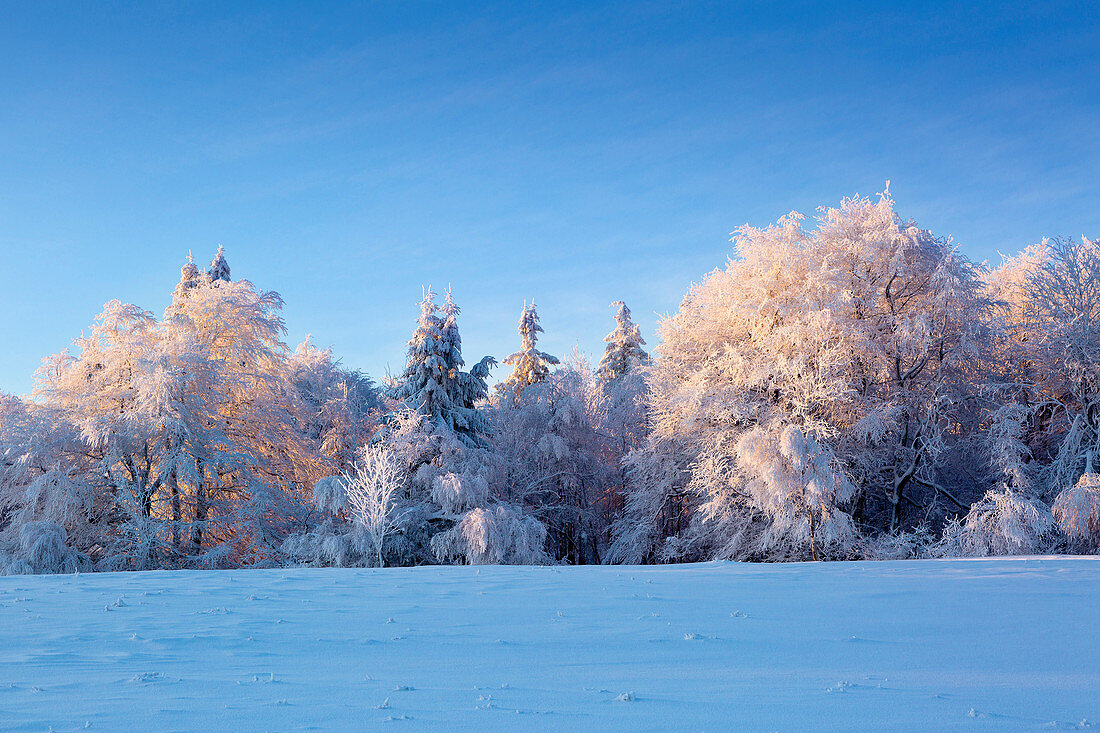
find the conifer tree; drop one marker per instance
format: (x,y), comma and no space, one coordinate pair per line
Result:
(624,347)
(189,279)
(529,365)
(419,386)
(433,382)
(219,268)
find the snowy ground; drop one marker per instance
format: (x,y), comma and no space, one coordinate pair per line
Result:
(925,645)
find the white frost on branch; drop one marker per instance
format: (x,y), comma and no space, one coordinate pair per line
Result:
(500,535)
(372,489)
(1002,523)
(1077,510)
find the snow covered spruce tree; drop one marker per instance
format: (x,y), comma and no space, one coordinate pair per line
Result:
(810,386)
(529,365)
(619,410)
(484,527)
(219,267)
(623,353)
(621,384)
(433,383)
(538,420)
(437,433)
(189,279)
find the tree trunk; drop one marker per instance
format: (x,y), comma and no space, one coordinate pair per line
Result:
(199,521)
(813,538)
(176,539)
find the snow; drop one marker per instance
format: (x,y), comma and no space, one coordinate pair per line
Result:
(976,644)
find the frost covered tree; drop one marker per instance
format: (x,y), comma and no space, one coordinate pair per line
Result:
(624,351)
(912,314)
(551,462)
(618,406)
(340,407)
(1050,367)
(371,491)
(437,428)
(249,427)
(1043,399)
(333,538)
(49,512)
(1077,512)
(433,382)
(500,535)
(858,333)
(1002,523)
(219,267)
(529,365)
(228,397)
(796,483)
(100,390)
(185,441)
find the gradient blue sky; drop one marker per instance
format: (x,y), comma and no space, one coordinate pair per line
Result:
(572,153)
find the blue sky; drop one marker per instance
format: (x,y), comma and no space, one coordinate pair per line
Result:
(347,155)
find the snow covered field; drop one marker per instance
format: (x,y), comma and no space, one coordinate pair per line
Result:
(999,644)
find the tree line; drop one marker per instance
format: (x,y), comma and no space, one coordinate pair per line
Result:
(850,388)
